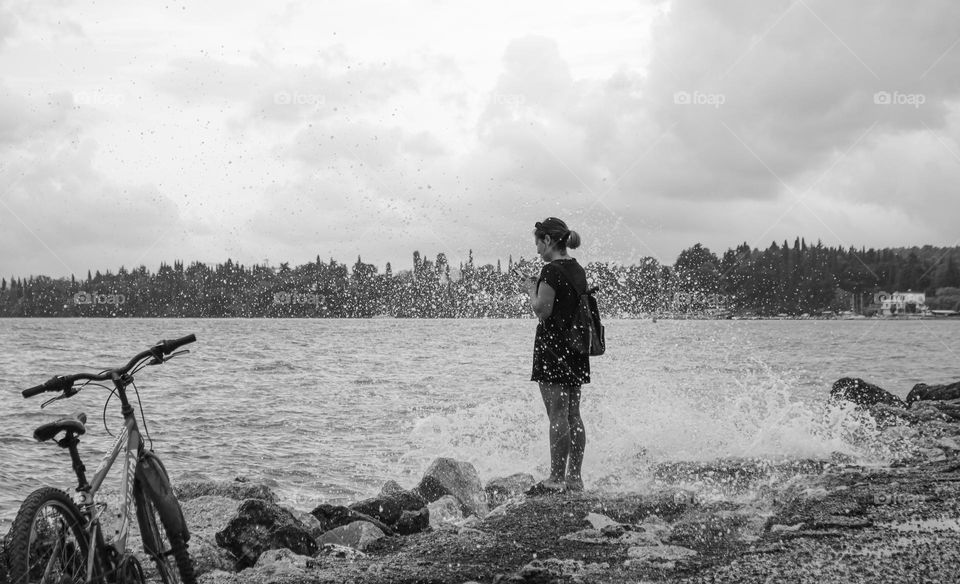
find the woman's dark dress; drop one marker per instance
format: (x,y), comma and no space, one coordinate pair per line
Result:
(552,360)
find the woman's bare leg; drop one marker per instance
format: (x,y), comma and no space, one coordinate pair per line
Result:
(557,401)
(578,440)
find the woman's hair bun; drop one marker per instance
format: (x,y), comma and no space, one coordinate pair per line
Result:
(573,240)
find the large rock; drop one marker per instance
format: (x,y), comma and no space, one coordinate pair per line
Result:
(499,490)
(205,516)
(863,394)
(447,510)
(382,508)
(238,490)
(334,516)
(943,392)
(357,535)
(411,522)
(259,526)
(447,476)
(407,500)
(310,523)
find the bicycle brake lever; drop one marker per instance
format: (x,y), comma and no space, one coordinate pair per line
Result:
(68,392)
(51,400)
(177,354)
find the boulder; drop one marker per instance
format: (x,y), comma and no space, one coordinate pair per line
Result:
(382,508)
(205,516)
(333,516)
(446,510)
(411,522)
(499,490)
(310,523)
(863,394)
(407,500)
(260,525)
(357,535)
(943,392)
(447,476)
(238,490)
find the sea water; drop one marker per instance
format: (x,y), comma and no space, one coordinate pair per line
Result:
(327,410)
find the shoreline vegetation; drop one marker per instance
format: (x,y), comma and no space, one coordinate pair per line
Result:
(891,516)
(781,281)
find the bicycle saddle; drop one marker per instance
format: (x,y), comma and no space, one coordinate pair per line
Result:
(74,423)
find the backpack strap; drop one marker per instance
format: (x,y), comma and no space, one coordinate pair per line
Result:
(588,291)
(570,281)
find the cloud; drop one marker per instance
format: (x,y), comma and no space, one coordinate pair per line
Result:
(57,208)
(723,123)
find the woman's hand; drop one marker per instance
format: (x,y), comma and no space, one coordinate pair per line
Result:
(530,284)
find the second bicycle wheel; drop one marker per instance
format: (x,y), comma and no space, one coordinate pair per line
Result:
(46,542)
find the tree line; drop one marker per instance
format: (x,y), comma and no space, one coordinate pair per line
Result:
(781,279)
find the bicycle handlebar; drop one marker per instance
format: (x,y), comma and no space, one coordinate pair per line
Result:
(65,382)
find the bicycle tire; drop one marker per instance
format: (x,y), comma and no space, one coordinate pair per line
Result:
(165,547)
(47,534)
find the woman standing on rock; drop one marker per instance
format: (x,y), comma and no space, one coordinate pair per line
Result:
(561,373)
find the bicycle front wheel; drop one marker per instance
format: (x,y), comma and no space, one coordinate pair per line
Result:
(167,549)
(47,542)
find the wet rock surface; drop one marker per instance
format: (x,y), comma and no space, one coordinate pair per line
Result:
(863,393)
(259,526)
(499,490)
(446,476)
(939,392)
(206,515)
(332,516)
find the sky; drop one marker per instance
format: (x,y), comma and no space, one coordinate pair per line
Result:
(135,133)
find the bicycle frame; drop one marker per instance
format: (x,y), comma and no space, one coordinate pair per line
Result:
(130,443)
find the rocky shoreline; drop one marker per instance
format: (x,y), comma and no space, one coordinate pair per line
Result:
(825,522)
(729,520)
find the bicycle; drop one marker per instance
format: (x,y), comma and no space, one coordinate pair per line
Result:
(56,539)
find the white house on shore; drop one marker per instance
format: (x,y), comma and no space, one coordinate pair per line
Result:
(902,303)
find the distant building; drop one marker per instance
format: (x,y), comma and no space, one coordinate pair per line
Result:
(902,303)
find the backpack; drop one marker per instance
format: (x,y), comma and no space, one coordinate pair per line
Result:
(585,335)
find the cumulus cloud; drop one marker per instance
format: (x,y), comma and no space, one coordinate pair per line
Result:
(726,122)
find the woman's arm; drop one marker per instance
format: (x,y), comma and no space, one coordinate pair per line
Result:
(541,298)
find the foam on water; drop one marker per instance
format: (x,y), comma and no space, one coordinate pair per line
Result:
(631,429)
